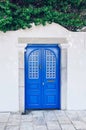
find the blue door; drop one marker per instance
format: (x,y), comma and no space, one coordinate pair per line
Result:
(42,77)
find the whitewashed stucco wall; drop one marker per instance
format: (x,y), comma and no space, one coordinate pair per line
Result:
(8,73)
(76,93)
(76,64)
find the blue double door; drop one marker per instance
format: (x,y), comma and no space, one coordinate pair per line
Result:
(42,77)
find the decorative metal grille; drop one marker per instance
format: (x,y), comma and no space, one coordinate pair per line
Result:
(34,65)
(50,65)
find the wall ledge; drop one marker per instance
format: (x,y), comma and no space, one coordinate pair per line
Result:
(34,40)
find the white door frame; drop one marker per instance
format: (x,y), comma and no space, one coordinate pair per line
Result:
(63,44)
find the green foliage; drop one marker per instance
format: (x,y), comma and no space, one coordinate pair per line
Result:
(16,14)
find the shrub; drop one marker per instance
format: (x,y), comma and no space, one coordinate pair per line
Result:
(15,14)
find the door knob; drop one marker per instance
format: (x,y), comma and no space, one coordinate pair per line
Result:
(43,83)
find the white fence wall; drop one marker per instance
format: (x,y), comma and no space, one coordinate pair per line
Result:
(8,73)
(76,93)
(76,65)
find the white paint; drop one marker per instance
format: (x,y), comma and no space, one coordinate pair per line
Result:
(76,96)
(76,65)
(8,74)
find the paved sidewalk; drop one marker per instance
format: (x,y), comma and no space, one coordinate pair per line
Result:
(44,120)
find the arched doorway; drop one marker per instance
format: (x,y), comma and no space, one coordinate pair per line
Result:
(42,77)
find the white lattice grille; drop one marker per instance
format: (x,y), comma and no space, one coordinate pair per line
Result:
(34,65)
(50,65)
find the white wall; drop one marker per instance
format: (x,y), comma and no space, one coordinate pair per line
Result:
(8,73)
(76,92)
(9,80)
(76,64)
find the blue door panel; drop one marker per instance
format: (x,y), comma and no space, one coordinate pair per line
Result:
(33,79)
(50,101)
(42,77)
(34,100)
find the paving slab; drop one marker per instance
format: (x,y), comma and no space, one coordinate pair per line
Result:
(50,116)
(59,113)
(14,119)
(73,115)
(53,125)
(12,128)
(2,126)
(4,117)
(37,113)
(64,120)
(44,120)
(39,121)
(27,118)
(26,126)
(67,127)
(79,125)
(40,128)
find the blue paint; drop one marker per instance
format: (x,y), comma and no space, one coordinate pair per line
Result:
(42,77)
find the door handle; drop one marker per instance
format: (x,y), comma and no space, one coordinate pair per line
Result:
(43,83)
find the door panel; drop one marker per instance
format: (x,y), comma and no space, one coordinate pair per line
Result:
(33,79)
(50,78)
(42,77)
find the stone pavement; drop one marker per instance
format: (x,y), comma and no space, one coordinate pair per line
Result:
(44,120)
